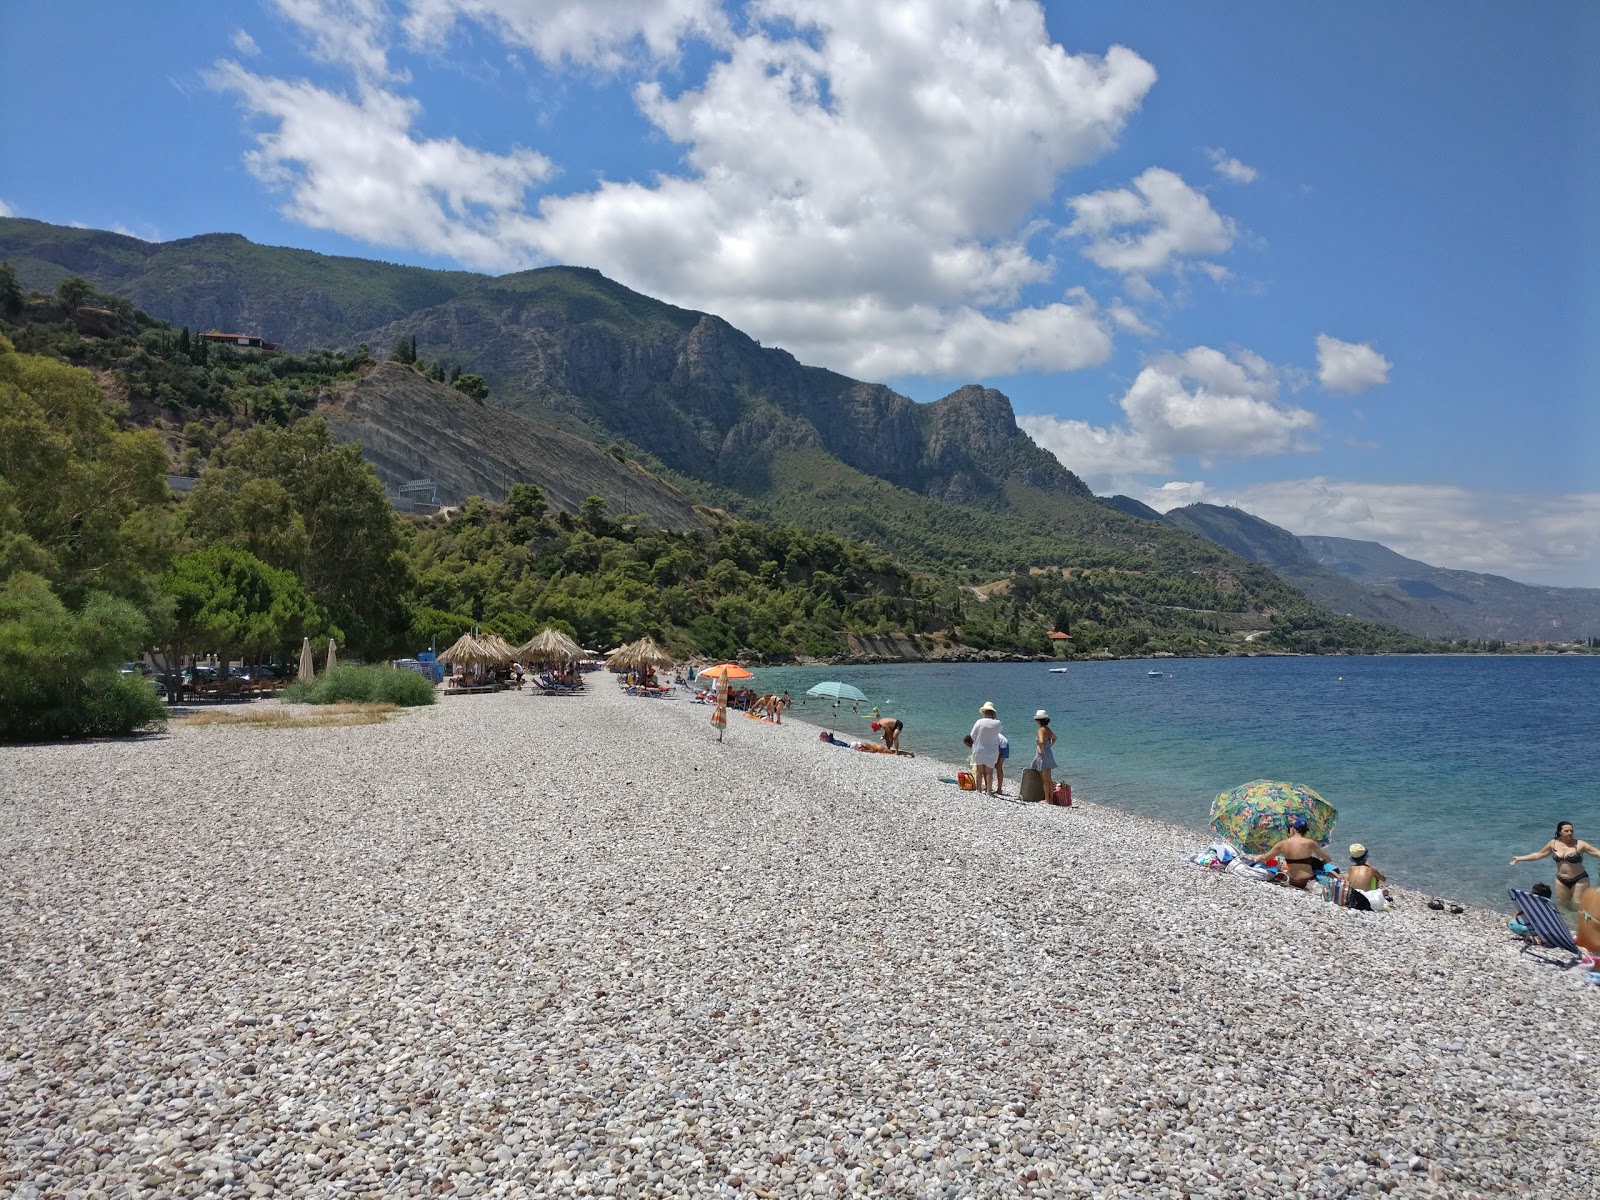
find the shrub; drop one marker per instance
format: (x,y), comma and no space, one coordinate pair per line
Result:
(350,684)
(57,678)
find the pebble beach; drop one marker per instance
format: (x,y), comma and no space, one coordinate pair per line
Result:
(520,945)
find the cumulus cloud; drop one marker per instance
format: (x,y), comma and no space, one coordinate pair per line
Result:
(1349,367)
(245,44)
(1553,540)
(6,210)
(859,181)
(594,33)
(1231,168)
(354,165)
(1202,404)
(1150,228)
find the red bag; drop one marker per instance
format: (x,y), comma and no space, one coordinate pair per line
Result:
(1062,795)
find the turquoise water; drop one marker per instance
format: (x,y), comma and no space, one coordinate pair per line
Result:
(1443,766)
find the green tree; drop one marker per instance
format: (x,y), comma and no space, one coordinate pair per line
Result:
(227,600)
(73,293)
(72,484)
(473,385)
(12,297)
(354,563)
(58,669)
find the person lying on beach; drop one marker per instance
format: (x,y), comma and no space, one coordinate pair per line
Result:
(1299,854)
(889,730)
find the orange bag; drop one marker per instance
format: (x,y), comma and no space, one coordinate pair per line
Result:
(967,781)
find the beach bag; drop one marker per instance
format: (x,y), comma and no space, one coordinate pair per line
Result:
(966,781)
(1031,790)
(1062,795)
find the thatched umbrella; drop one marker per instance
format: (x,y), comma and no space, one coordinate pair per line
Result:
(467,651)
(496,645)
(639,656)
(308,668)
(551,646)
(333,656)
(621,658)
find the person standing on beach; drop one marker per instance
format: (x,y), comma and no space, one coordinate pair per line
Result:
(986,747)
(1572,878)
(890,728)
(1044,751)
(1000,766)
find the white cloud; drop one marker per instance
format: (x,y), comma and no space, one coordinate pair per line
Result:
(353,165)
(1201,404)
(1231,168)
(347,33)
(858,186)
(245,44)
(1349,367)
(6,210)
(1552,540)
(1128,319)
(1152,227)
(596,33)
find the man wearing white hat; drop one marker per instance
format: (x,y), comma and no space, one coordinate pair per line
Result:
(986,747)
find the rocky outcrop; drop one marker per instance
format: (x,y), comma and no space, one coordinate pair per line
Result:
(413,428)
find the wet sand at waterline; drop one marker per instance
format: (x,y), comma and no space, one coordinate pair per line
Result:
(524,945)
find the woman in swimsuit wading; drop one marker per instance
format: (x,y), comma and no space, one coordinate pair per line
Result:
(1572,879)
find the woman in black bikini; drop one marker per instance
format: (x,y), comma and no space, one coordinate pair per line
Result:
(1572,879)
(1299,853)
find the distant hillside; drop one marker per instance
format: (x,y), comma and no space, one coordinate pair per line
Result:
(224,281)
(1263,542)
(952,486)
(1486,605)
(411,428)
(1131,507)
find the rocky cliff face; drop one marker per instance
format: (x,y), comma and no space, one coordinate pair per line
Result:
(686,386)
(412,428)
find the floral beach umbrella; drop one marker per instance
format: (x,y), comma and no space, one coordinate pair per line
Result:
(1255,815)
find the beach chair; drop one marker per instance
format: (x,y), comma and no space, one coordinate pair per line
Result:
(1552,932)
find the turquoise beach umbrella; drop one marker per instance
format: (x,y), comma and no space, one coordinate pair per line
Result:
(1255,815)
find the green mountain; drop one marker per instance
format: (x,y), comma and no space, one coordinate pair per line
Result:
(953,486)
(1489,606)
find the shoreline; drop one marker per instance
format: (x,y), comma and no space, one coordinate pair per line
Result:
(520,945)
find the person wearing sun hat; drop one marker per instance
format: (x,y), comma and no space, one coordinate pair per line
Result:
(1365,880)
(986,747)
(1044,751)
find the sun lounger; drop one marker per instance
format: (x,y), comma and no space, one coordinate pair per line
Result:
(1542,917)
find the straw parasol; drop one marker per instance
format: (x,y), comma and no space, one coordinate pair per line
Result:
(551,645)
(333,656)
(636,656)
(467,651)
(308,668)
(502,650)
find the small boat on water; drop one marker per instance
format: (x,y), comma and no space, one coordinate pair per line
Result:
(1058,670)
(1153,674)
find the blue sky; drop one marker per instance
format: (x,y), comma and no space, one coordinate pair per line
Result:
(1333,264)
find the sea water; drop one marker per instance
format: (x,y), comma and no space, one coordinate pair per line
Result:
(1444,766)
